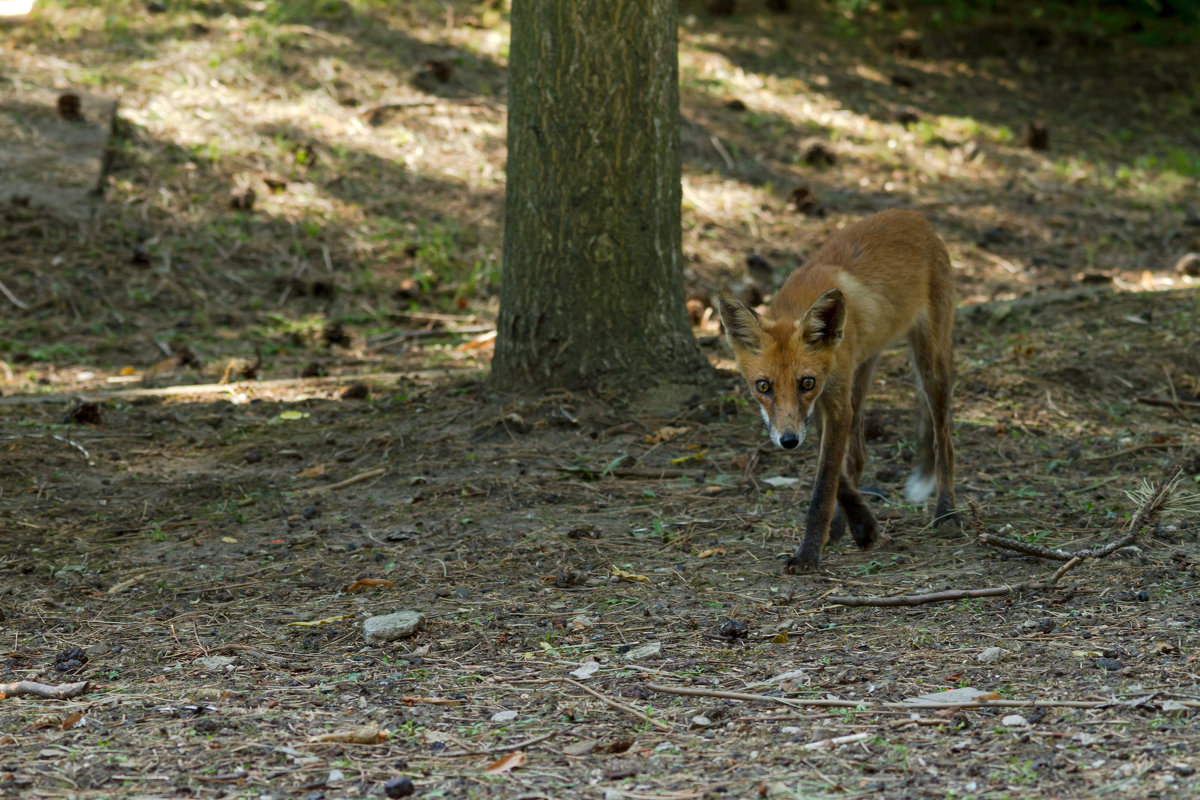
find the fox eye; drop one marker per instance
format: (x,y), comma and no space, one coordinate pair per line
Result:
(807,383)
(762,386)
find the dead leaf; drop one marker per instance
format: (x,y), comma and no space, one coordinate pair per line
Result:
(965,694)
(629,576)
(665,434)
(780,638)
(315,622)
(698,456)
(364,734)
(313,472)
(1162,646)
(580,748)
(412,699)
(117,588)
(480,341)
(507,762)
(72,721)
(362,584)
(710,552)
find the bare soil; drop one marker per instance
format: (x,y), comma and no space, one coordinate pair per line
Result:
(217,421)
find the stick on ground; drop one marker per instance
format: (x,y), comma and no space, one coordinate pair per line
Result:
(60,692)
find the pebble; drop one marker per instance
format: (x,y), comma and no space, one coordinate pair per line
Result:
(390,627)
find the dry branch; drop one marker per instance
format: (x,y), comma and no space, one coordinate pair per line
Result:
(637,712)
(1155,401)
(867,705)
(1154,500)
(60,692)
(12,298)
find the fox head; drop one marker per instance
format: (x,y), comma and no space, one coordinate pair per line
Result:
(787,363)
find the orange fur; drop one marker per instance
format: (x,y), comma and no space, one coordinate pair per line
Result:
(880,280)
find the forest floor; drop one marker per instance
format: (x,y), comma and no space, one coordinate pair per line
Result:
(245,408)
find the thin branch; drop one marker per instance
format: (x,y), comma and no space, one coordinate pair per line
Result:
(504,749)
(1153,500)
(359,478)
(922,599)
(12,298)
(867,705)
(60,692)
(637,712)
(1154,401)
(55,436)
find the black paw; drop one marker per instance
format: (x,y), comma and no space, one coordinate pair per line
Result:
(837,528)
(946,515)
(805,559)
(865,531)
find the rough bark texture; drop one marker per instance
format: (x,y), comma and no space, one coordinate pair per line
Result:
(592,291)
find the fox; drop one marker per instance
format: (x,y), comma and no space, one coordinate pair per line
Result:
(813,353)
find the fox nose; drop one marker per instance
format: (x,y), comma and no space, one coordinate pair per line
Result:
(789,441)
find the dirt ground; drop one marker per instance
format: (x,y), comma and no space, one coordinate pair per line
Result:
(232,430)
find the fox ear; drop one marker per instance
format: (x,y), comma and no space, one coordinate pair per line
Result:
(825,320)
(743,327)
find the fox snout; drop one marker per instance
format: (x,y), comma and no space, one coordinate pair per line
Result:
(788,437)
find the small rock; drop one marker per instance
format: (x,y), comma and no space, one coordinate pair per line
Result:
(1014,721)
(252,456)
(790,730)
(215,662)
(399,787)
(651,650)
(1108,664)
(1036,135)
(356,391)
(818,154)
(906,115)
(84,413)
(69,107)
(733,629)
(335,776)
(1189,264)
(1143,596)
(907,44)
(993,235)
(701,721)
(586,671)
(504,716)
(991,655)
(390,627)
(804,200)
(242,199)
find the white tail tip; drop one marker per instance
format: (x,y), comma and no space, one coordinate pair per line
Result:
(919,487)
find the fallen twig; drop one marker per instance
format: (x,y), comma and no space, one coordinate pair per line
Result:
(45,690)
(1152,502)
(359,478)
(867,705)
(54,436)
(503,749)
(1154,401)
(12,298)
(637,712)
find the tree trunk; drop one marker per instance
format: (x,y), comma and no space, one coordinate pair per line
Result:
(592,293)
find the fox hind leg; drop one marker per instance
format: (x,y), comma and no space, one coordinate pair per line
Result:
(934,372)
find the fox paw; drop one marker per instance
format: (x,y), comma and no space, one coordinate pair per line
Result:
(837,527)
(865,531)
(802,562)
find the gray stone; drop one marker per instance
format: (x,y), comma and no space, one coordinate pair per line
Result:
(390,627)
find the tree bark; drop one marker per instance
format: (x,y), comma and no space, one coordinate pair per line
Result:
(591,294)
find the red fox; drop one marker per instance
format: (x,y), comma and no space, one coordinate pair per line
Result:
(881,279)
